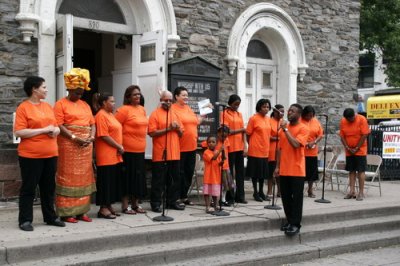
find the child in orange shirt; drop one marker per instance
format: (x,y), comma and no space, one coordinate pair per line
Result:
(212,173)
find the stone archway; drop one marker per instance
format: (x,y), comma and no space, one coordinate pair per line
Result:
(274,26)
(38,19)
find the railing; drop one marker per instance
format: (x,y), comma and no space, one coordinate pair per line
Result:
(390,168)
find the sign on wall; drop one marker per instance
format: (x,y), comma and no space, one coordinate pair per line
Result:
(201,79)
(383,107)
(391,145)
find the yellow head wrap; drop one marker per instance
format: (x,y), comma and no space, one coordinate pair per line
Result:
(77,78)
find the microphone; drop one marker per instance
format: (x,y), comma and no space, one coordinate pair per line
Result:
(275,109)
(221,104)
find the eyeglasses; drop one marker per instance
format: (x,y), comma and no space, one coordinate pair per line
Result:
(167,101)
(135,94)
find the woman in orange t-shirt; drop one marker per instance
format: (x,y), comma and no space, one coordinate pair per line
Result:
(75,179)
(36,125)
(311,149)
(258,135)
(188,141)
(276,117)
(232,118)
(109,152)
(134,121)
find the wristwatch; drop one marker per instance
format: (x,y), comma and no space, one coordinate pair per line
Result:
(285,129)
(73,137)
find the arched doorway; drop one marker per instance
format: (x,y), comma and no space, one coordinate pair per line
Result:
(260,75)
(100,26)
(276,76)
(121,42)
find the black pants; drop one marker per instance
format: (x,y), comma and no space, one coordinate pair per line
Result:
(187,164)
(164,174)
(236,160)
(292,198)
(36,172)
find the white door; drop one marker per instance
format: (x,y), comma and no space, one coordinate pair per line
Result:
(64,51)
(260,83)
(149,65)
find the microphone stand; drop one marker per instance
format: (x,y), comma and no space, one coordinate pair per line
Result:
(273,206)
(322,199)
(163,217)
(220,212)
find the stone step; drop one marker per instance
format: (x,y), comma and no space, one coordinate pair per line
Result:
(227,237)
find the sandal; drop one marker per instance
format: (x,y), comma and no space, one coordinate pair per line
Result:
(210,210)
(350,196)
(84,218)
(129,211)
(69,220)
(139,209)
(106,216)
(311,195)
(114,212)
(188,202)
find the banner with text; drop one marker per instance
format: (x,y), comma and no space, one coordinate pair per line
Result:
(391,145)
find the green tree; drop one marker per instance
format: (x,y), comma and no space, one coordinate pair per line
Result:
(380,28)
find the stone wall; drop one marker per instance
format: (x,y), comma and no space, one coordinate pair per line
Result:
(329,30)
(17,61)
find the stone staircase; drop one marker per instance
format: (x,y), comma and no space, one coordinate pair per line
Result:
(245,240)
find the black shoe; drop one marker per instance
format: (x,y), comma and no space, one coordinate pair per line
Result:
(292,230)
(243,201)
(262,196)
(156,209)
(56,222)
(176,206)
(225,203)
(257,197)
(285,227)
(26,226)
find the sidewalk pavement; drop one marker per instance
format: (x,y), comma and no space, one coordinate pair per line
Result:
(10,233)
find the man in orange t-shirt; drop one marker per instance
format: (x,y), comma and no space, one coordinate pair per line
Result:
(354,131)
(166,154)
(290,166)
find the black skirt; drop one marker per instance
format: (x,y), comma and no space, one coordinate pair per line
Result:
(257,168)
(134,177)
(311,168)
(108,184)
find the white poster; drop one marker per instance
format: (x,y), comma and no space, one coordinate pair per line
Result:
(391,145)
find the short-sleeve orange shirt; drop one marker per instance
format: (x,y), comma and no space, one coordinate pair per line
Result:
(212,170)
(134,127)
(315,130)
(225,166)
(259,131)
(352,133)
(33,116)
(107,125)
(234,121)
(73,113)
(188,141)
(273,144)
(292,160)
(157,122)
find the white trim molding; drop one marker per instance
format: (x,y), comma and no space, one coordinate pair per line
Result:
(238,36)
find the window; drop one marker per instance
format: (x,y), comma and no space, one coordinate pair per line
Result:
(366,70)
(248,78)
(148,52)
(104,10)
(266,80)
(258,49)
